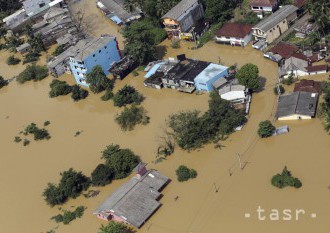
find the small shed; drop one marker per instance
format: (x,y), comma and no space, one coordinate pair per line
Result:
(24,48)
(281,130)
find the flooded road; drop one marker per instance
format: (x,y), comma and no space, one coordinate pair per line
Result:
(25,171)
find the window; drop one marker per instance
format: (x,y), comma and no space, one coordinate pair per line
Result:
(78,73)
(270,30)
(42,4)
(99,51)
(284,21)
(93,55)
(105,47)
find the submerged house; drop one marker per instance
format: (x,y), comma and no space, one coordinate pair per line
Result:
(136,200)
(234,34)
(270,28)
(102,51)
(281,51)
(115,11)
(308,86)
(297,105)
(261,7)
(183,17)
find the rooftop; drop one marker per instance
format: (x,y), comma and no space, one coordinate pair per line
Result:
(317,68)
(275,18)
(237,30)
(180,9)
(210,72)
(136,200)
(285,50)
(308,86)
(269,3)
(117,7)
(302,103)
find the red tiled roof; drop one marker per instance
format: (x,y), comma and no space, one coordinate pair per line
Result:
(299,3)
(308,86)
(284,50)
(269,3)
(317,68)
(300,56)
(237,30)
(314,58)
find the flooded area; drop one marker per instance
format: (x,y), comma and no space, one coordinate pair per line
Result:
(25,171)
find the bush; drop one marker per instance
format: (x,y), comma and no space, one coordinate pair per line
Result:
(72,183)
(78,93)
(114,227)
(183,173)
(39,134)
(69,216)
(13,60)
(289,80)
(285,179)
(102,175)
(26,142)
(46,123)
(3,82)
(132,116)
(107,95)
(31,57)
(209,35)
(17,139)
(121,161)
(59,88)
(281,89)
(175,43)
(98,81)
(266,129)
(127,95)
(32,72)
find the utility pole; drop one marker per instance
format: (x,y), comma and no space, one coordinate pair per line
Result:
(215,187)
(240,161)
(229,172)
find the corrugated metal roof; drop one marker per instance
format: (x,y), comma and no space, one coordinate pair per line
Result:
(180,9)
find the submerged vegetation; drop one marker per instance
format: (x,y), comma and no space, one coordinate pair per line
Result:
(58,88)
(192,130)
(115,227)
(266,129)
(132,116)
(248,76)
(32,72)
(183,173)
(3,82)
(285,179)
(69,216)
(127,95)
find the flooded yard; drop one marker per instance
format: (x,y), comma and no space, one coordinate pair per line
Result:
(25,171)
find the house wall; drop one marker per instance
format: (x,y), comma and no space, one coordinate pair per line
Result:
(294,117)
(276,31)
(202,85)
(234,96)
(233,40)
(104,57)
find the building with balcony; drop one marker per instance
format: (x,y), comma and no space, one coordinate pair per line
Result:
(183,17)
(102,51)
(261,7)
(270,28)
(234,34)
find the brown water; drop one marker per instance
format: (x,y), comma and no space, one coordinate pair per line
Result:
(25,171)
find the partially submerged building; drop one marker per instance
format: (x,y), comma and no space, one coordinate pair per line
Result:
(308,86)
(183,17)
(136,200)
(115,11)
(102,51)
(234,34)
(281,51)
(270,28)
(297,105)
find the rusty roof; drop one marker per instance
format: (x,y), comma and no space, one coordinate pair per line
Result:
(237,30)
(308,86)
(285,50)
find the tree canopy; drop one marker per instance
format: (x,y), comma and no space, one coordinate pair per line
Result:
(114,227)
(102,175)
(3,82)
(320,10)
(183,173)
(32,72)
(248,76)
(285,179)
(219,10)
(98,81)
(266,129)
(121,161)
(131,116)
(127,95)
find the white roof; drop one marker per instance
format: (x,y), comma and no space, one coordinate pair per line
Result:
(233,95)
(210,72)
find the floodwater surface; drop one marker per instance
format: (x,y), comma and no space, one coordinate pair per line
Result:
(213,202)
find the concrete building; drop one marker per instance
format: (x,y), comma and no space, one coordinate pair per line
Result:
(234,34)
(262,7)
(209,75)
(102,51)
(136,200)
(115,11)
(281,51)
(297,106)
(270,28)
(182,17)
(33,7)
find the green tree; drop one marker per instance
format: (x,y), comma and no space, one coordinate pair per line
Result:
(12,60)
(53,195)
(102,175)
(98,81)
(37,43)
(9,6)
(32,72)
(285,179)
(127,95)
(183,173)
(78,93)
(121,161)
(266,129)
(58,88)
(131,116)
(320,10)
(248,76)
(3,82)
(219,10)
(107,95)
(114,227)
(141,41)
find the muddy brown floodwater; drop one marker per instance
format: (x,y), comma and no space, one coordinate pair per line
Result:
(25,171)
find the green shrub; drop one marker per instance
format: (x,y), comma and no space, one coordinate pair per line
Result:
(3,82)
(131,116)
(78,93)
(285,179)
(209,35)
(31,57)
(289,80)
(32,72)
(115,227)
(175,43)
(17,139)
(281,89)
(127,95)
(46,123)
(69,216)
(26,142)
(266,129)
(98,81)
(13,60)
(39,134)
(58,88)
(183,173)
(107,95)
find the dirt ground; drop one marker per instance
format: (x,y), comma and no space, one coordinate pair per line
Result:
(25,171)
